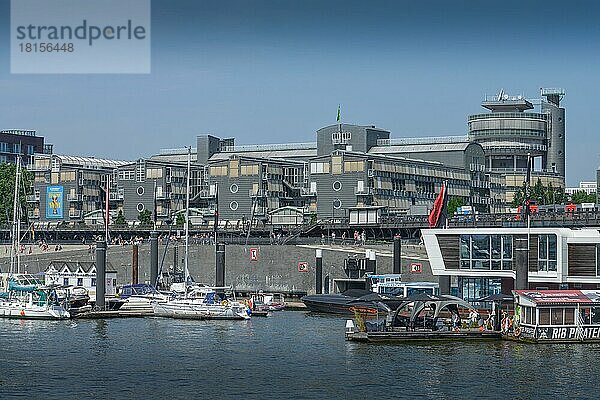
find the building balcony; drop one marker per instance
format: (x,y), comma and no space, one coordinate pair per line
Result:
(367,191)
(74,197)
(32,198)
(74,213)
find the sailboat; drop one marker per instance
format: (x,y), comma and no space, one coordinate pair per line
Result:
(25,296)
(199,301)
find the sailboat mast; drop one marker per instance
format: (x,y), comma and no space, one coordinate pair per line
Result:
(187,214)
(14,251)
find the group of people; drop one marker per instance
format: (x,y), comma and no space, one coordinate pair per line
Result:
(360,238)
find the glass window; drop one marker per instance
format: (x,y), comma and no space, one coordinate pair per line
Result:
(547,249)
(4,147)
(507,247)
(93,282)
(79,281)
(16,147)
(569,316)
(465,246)
(486,252)
(481,247)
(66,281)
(556,315)
(544,316)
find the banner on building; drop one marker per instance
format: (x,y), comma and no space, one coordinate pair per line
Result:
(54,202)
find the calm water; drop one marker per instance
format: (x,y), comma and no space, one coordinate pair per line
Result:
(291,355)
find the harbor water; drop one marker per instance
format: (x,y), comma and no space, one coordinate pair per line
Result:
(290,355)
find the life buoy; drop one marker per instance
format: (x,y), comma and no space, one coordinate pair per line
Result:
(517,331)
(22,313)
(224,302)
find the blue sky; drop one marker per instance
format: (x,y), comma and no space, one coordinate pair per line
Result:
(275,71)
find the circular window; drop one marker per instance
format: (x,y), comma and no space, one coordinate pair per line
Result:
(140,190)
(559,119)
(337,204)
(560,152)
(140,207)
(233,188)
(233,205)
(337,186)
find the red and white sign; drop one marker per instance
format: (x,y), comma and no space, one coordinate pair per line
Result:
(253,254)
(302,266)
(416,268)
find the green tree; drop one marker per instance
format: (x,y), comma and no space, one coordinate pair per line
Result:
(7,190)
(180,220)
(120,220)
(145,217)
(538,192)
(453,204)
(582,197)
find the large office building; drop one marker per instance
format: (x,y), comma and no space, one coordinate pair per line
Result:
(347,167)
(511,132)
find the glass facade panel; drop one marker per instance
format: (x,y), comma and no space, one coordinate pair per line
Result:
(507,247)
(465,246)
(481,247)
(547,252)
(472,289)
(496,247)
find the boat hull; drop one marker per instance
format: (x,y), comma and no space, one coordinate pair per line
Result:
(339,304)
(190,309)
(27,311)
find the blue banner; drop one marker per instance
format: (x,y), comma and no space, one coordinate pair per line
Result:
(54,202)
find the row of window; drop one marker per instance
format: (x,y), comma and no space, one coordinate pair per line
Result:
(493,252)
(560,315)
(15,148)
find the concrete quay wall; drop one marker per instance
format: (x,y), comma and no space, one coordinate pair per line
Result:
(275,268)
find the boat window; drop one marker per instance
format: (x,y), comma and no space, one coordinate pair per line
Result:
(584,314)
(595,315)
(544,316)
(569,316)
(531,315)
(556,316)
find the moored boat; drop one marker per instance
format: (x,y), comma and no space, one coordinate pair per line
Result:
(555,316)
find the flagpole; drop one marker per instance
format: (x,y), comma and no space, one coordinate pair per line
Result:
(527,201)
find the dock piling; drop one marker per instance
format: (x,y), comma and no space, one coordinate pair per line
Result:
(135,264)
(100,274)
(319,271)
(153,258)
(397,267)
(220,265)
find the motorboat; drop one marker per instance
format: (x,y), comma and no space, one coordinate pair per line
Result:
(139,297)
(26,297)
(267,301)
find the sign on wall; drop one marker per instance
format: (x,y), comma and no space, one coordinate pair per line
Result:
(416,268)
(54,202)
(302,266)
(253,254)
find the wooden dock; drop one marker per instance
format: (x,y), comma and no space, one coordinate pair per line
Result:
(427,336)
(112,314)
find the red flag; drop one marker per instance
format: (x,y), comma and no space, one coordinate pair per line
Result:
(438,205)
